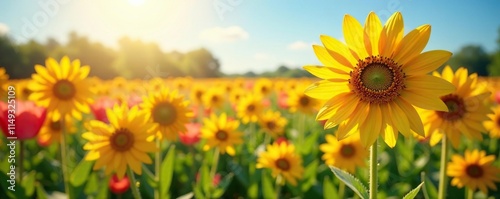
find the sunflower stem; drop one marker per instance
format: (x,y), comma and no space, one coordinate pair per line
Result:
(215,162)
(341,189)
(157,169)
(64,160)
(373,170)
(20,160)
(301,121)
(133,184)
(278,186)
(443,181)
(470,193)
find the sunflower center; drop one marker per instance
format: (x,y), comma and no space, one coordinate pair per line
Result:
(377,79)
(64,89)
(271,125)
(304,100)
(198,94)
(282,164)
(263,89)
(474,171)
(456,108)
(55,125)
(251,108)
(164,114)
(221,135)
(215,99)
(122,140)
(347,150)
(498,121)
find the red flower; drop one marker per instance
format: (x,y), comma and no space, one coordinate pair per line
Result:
(192,136)
(24,118)
(119,186)
(283,100)
(281,140)
(99,108)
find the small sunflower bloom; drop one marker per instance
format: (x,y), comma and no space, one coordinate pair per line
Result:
(373,82)
(221,132)
(63,88)
(125,142)
(475,170)
(347,154)
(467,107)
(297,101)
(273,123)
(250,108)
(283,161)
(493,124)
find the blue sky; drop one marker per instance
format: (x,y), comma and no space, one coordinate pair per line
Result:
(244,35)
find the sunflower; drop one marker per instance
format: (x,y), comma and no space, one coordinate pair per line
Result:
(125,142)
(249,108)
(4,77)
(467,109)
(475,170)
(169,111)
(197,92)
(346,154)
(235,95)
(263,87)
(62,88)
(283,161)
(51,131)
(273,123)
(222,133)
(214,98)
(493,125)
(298,101)
(379,75)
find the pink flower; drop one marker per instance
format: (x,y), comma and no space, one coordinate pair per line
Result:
(283,100)
(24,119)
(99,108)
(192,136)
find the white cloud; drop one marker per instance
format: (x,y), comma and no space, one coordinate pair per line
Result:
(299,45)
(4,29)
(221,35)
(261,56)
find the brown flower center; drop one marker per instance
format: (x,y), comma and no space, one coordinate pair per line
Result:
(474,171)
(271,125)
(55,125)
(282,164)
(251,108)
(347,150)
(377,79)
(304,100)
(64,90)
(221,135)
(215,99)
(164,114)
(498,121)
(122,140)
(456,108)
(198,95)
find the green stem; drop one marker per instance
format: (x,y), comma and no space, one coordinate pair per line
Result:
(215,163)
(373,170)
(341,189)
(157,169)
(301,121)
(470,193)
(278,186)
(20,161)
(443,181)
(133,184)
(64,160)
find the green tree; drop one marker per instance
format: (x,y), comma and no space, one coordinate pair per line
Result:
(494,67)
(472,57)
(10,58)
(201,63)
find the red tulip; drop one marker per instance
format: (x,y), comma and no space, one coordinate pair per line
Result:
(192,136)
(21,119)
(99,108)
(119,186)
(497,97)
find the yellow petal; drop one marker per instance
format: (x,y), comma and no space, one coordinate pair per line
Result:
(427,62)
(412,44)
(390,136)
(429,85)
(353,33)
(370,129)
(339,51)
(373,27)
(425,102)
(327,72)
(399,119)
(391,35)
(326,89)
(413,116)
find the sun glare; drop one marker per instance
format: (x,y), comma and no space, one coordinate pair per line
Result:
(136,2)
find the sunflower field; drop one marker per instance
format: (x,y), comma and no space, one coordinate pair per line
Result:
(377,121)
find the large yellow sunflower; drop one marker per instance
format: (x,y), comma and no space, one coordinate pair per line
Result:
(62,88)
(373,82)
(249,108)
(345,154)
(467,109)
(222,133)
(493,125)
(475,170)
(283,161)
(169,111)
(126,141)
(272,123)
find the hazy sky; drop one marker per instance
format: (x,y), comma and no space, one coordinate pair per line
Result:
(244,35)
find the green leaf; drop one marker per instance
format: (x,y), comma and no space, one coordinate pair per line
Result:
(92,185)
(28,183)
(309,176)
(167,171)
(225,182)
(413,192)
(429,189)
(80,173)
(40,192)
(329,190)
(351,181)
(253,188)
(267,185)
(198,193)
